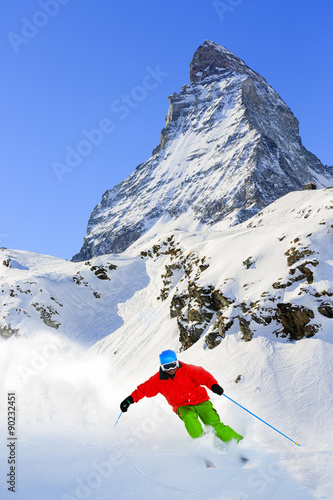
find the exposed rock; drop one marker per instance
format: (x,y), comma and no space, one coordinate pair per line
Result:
(196,322)
(212,59)
(326,309)
(6,262)
(310,186)
(304,272)
(112,267)
(298,273)
(310,330)
(201,294)
(189,335)
(194,315)
(244,326)
(178,302)
(218,332)
(100,272)
(248,262)
(213,339)
(203,267)
(156,249)
(167,279)
(245,308)
(294,255)
(52,298)
(222,326)
(237,379)
(218,300)
(194,311)
(46,314)
(277,285)
(6,331)
(263,320)
(79,279)
(295,320)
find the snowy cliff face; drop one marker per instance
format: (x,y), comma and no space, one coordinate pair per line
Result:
(230,147)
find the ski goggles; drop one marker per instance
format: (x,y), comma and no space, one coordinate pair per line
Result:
(170,366)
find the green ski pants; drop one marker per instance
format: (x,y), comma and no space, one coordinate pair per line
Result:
(209,416)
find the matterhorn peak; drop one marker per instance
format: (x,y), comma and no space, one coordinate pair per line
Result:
(212,59)
(229,148)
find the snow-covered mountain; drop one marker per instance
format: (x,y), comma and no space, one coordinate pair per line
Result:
(230,147)
(237,296)
(271,274)
(227,261)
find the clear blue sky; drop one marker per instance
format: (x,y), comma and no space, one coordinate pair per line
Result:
(67,66)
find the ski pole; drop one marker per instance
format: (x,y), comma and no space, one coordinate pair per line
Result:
(118,419)
(295,442)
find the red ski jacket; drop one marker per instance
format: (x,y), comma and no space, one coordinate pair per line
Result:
(183,389)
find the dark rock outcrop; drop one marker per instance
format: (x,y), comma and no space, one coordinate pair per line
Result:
(6,331)
(213,339)
(326,309)
(46,315)
(195,310)
(213,59)
(244,326)
(295,321)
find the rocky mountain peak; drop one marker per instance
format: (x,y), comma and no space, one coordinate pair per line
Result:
(212,59)
(229,148)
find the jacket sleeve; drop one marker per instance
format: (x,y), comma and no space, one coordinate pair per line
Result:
(201,376)
(148,389)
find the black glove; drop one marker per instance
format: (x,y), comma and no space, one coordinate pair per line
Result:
(217,389)
(125,404)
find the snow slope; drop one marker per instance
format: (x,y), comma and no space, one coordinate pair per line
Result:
(68,447)
(77,302)
(69,381)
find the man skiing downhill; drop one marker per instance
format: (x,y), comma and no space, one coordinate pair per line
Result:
(181,385)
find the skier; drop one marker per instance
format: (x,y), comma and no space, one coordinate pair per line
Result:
(181,385)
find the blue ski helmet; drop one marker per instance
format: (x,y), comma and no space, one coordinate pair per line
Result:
(168,357)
